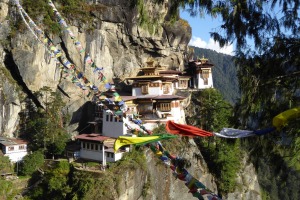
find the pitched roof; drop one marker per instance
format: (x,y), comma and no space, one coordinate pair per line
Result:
(12,141)
(92,137)
(168,97)
(160,97)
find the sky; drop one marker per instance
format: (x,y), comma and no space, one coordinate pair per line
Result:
(200,33)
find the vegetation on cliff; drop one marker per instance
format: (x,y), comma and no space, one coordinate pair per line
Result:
(63,180)
(209,111)
(49,120)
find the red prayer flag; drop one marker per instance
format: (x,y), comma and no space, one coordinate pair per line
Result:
(186,130)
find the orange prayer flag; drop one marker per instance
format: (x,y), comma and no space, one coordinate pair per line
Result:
(186,130)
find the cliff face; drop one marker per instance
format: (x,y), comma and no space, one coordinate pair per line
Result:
(116,39)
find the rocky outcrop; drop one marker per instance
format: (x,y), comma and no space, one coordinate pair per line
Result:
(158,181)
(9,89)
(120,37)
(247,181)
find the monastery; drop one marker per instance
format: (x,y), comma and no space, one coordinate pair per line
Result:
(153,102)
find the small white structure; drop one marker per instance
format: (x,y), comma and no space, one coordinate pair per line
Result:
(98,148)
(202,74)
(14,148)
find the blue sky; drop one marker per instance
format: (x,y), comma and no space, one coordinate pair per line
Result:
(200,32)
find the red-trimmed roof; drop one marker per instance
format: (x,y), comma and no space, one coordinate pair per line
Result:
(12,141)
(92,137)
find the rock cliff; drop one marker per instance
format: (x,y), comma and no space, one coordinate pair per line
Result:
(115,38)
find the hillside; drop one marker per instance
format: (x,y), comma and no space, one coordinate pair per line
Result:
(224,73)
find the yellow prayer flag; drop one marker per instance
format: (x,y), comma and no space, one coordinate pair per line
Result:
(125,140)
(282,119)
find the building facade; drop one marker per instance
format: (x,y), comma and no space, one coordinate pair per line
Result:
(201,74)
(97,147)
(154,89)
(153,101)
(14,148)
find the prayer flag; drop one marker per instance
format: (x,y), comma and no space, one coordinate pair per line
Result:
(186,130)
(126,140)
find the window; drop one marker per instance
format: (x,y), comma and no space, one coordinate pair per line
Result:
(205,81)
(11,148)
(21,147)
(96,147)
(183,83)
(120,118)
(144,89)
(111,117)
(83,145)
(88,146)
(205,73)
(165,107)
(166,88)
(107,117)
(92,146)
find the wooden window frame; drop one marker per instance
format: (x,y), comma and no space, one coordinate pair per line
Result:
(165,107)
(145,89)
(11,148)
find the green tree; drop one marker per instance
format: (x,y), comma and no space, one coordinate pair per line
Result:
(5,165)
(31,163)
(212,112)
(222,155)
(55,182)
(44,127)
(7,189)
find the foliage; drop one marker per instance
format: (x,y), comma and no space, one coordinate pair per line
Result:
(55,183)
(31,163)
(7,189)
(63,181)
(223,159)
(44,127)
(72,9)
(146,187)
(5,165)
(38,8)
(131,160)
(145,19)
(212,113)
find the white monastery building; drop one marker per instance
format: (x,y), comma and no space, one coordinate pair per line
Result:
(201,71)
(153,101)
